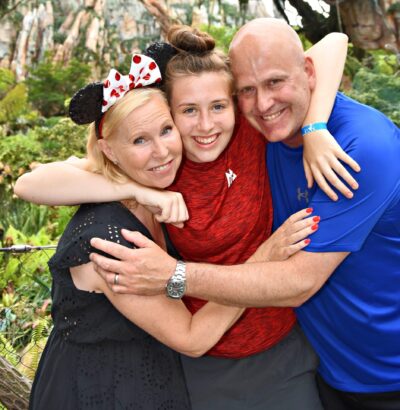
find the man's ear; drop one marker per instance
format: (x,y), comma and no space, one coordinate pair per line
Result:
(107,150)
(310,72)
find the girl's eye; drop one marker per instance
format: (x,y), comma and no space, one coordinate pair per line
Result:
(139,141)
(189,110)
(166,130)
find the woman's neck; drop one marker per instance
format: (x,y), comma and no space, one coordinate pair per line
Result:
(148,220)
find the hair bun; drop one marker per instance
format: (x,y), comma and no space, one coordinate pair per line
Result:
(191,40)
(85,106)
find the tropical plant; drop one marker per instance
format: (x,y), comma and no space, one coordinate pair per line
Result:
(50,84)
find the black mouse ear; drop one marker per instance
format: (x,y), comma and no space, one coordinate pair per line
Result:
(161,53)
(85,105)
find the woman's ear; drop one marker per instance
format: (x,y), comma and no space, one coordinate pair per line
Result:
(107,150)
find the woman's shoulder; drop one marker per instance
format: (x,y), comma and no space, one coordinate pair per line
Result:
(103,220)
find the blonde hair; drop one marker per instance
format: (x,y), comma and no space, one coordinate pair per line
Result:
(98,161)
(196,54)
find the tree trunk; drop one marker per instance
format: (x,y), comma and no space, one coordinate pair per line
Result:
(161,14)
(14,388)
(368,24)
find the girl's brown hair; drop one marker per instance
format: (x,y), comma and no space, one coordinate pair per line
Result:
(196,54)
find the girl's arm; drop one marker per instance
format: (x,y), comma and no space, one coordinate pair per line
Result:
(167,320)
(69,183)
(321,151)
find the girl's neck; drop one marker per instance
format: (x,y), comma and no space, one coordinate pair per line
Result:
(148,220)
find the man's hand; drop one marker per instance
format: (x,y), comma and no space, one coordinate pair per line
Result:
(143,271)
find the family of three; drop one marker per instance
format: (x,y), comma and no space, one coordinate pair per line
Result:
(116,335)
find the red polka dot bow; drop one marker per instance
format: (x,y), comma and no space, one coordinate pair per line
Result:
(144,71)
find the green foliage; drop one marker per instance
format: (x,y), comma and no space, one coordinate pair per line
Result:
(7,81)
(380,91)
(31,353)
(376,82)
(222,35)
(13,104)
(61,140)
(24,305)
(50,84)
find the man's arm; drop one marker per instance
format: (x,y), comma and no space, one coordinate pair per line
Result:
(287,283)
(145,271)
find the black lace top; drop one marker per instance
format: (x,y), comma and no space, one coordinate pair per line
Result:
(95,358)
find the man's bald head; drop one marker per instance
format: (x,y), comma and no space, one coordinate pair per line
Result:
(264,34)
(273,78)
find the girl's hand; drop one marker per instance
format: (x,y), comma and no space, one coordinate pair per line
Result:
(321,157)
(289,238)
(167,206)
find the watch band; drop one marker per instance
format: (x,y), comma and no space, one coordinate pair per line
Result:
(176,285)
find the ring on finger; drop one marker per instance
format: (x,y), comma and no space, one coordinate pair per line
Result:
(116,279)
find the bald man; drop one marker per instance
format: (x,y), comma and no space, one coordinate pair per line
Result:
(346,283)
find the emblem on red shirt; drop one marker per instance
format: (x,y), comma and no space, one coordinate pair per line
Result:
(230,177)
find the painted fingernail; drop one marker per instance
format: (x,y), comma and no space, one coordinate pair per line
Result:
(316,219)
(307,241)
(309,210)
(314,227)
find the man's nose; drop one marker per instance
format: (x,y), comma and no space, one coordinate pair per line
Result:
(264,101)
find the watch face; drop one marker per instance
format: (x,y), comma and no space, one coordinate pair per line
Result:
(175,289)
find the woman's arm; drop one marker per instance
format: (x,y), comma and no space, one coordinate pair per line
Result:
(69,183)
(321,151)
(289,238)
(167,320)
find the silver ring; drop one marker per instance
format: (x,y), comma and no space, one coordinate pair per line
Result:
(116,279)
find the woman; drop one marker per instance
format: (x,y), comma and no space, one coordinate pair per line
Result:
(208,147)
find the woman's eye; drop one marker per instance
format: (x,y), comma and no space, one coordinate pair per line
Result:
(166,130)
(218,107)
(139,141)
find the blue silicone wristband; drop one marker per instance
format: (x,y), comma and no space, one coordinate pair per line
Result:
(313,127)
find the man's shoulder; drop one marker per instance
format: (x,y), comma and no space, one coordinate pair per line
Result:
(352,115)
(358,127)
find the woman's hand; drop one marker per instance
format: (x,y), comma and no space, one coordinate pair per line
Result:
(321,157)
(289,238)
(167,206)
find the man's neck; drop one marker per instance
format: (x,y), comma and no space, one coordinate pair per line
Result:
(295,141)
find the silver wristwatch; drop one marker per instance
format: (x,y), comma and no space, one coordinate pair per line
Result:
(176,284)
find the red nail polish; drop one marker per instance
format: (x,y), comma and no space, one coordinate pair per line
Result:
(309,210)
(314,227)
(316,219)
(307,241)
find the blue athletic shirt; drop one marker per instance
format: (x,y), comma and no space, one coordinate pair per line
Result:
(353,322)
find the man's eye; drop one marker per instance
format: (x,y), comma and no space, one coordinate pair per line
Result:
(139,141)
(275,82)
(166,130)
(247,91)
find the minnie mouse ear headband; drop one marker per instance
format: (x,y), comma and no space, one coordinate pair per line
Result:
(91,102)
